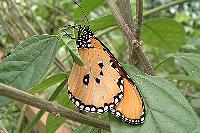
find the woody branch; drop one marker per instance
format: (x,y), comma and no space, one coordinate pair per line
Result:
(137,56)
(29,99)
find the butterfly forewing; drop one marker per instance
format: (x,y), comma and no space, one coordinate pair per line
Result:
(94,86)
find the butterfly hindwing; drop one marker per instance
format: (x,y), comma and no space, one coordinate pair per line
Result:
(131,109)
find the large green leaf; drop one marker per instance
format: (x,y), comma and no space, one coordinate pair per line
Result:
(87,6)
(163,33)
(191,63)
(167,110)
(28,63)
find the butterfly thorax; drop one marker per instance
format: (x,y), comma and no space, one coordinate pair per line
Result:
(85,35)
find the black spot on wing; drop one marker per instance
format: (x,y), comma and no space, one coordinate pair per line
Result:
(100,65)
(86,79)
(97,80)
(101,73)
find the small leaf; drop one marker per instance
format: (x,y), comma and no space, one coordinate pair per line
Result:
(28,63)
(191,63)
(71,45)
(101,23)
(166,108)
(49,82)
(53,123)
(87,6)
(163,33)
(74,52)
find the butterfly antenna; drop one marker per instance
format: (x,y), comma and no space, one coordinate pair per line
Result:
(82,12)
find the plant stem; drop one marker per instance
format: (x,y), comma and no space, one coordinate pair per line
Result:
(165,6)
(138,19)
(29,99)
(137,56)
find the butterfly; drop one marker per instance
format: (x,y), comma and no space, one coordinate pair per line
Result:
(102,85)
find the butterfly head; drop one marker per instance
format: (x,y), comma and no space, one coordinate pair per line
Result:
(84,36)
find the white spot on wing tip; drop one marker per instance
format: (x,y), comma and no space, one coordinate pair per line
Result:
(87,109)
(93,109)
(142,119)
(77,103)
(116,100)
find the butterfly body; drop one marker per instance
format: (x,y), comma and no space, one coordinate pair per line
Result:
(102,85)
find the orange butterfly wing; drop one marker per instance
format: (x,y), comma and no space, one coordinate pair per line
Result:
(102,84)
(95,87)
(131,108)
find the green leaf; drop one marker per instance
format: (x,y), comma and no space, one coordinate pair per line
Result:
(53,123)
(87,6)
(37,117)
(49,82)
(74,52)
(83,129)
(191,63)
(28,63)
(88,129)
(71,44)
(179,77)
(167,110)
(163,33)
(101,23)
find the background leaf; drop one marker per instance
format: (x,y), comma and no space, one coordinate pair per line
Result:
(37,117)
(102,23)
(53,123)
(191,63)
(28,63)
(167,110)
(163,33)
(87,6)
(49,82)
(88,129)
